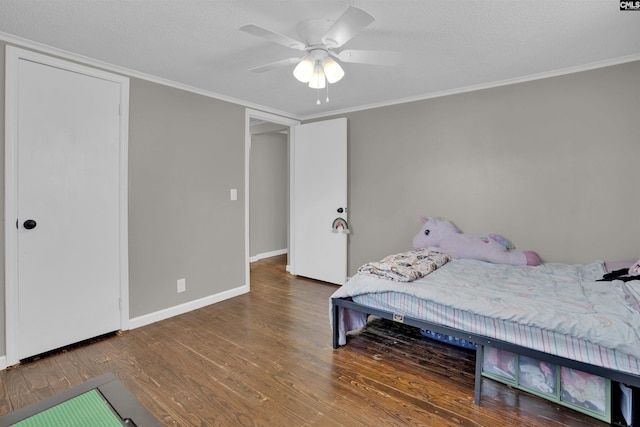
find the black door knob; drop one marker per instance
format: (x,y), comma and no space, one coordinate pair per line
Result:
(29,224)
(340,210)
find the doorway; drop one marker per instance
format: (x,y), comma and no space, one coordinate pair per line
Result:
(317,193)
(269,175)
(272,130)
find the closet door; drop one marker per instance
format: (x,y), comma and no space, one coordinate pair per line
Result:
(67,175)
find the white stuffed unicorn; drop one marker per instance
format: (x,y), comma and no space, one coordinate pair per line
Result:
(443,234)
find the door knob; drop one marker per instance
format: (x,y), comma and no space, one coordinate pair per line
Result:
(29,224)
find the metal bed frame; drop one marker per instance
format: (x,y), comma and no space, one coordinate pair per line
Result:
(481,341)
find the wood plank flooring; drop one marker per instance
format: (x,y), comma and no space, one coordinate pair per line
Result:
(265,359)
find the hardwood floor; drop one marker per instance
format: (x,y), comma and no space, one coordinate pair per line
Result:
(265,359)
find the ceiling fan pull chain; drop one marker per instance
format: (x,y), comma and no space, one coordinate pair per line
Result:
(318,101)
(327,92)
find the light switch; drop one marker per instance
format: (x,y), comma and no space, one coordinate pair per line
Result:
(233,194)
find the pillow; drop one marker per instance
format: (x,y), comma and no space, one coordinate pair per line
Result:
(618,265)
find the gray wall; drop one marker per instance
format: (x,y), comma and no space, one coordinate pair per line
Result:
(551,164)
(185,152)
(269,183)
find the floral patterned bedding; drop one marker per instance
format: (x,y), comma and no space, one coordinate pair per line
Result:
(406,266)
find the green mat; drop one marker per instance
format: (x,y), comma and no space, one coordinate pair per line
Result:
(87,409)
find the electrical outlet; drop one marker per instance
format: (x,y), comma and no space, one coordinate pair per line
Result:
(182,285)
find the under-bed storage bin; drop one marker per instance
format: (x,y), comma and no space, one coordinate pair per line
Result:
(448,339)
(500,365)
(537,377)
(578,390)
(586,392)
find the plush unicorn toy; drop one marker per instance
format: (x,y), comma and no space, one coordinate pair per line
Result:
(442,234)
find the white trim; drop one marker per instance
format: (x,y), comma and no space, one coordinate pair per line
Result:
(291,259)
(166,313)
(247,168)
(10,204)
(10,38)
(13,56)
(270,254)
(124,204)
(473,88)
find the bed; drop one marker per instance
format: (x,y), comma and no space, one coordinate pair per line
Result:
(557,313)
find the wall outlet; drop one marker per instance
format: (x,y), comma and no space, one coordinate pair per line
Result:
(182,285)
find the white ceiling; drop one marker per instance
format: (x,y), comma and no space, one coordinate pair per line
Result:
(448,46)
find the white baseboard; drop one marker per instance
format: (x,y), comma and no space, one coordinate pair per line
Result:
(172,311)
(147,319)
(258,257)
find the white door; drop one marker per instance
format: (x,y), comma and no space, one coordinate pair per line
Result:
(68,207)
(319,191)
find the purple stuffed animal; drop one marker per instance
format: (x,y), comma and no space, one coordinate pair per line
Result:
(442,234)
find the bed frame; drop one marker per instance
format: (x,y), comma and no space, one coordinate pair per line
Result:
(481,341)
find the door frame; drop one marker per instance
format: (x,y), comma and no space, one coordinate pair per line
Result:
(13,56)
(273,118)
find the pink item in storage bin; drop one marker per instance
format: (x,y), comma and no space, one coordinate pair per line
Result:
(583,389)
(500,362)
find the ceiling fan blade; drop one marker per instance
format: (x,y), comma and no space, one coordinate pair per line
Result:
(267,34)
(372,57)
(277,64)
(352,21)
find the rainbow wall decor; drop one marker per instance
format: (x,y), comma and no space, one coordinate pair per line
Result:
(340,224)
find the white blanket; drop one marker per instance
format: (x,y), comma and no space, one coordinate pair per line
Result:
(560,297)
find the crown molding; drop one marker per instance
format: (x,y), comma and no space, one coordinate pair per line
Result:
(50,50)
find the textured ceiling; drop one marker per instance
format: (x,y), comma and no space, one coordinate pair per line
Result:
(447,46)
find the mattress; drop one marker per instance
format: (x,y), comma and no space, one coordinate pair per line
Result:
(554,308)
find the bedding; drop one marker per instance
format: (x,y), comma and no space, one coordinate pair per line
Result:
(406,266)
(558,309)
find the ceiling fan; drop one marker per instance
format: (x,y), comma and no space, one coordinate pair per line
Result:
(322,39)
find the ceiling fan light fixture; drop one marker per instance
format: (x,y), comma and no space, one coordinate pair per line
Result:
(304,70)
(320,39)
(318,80)
(332,70)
